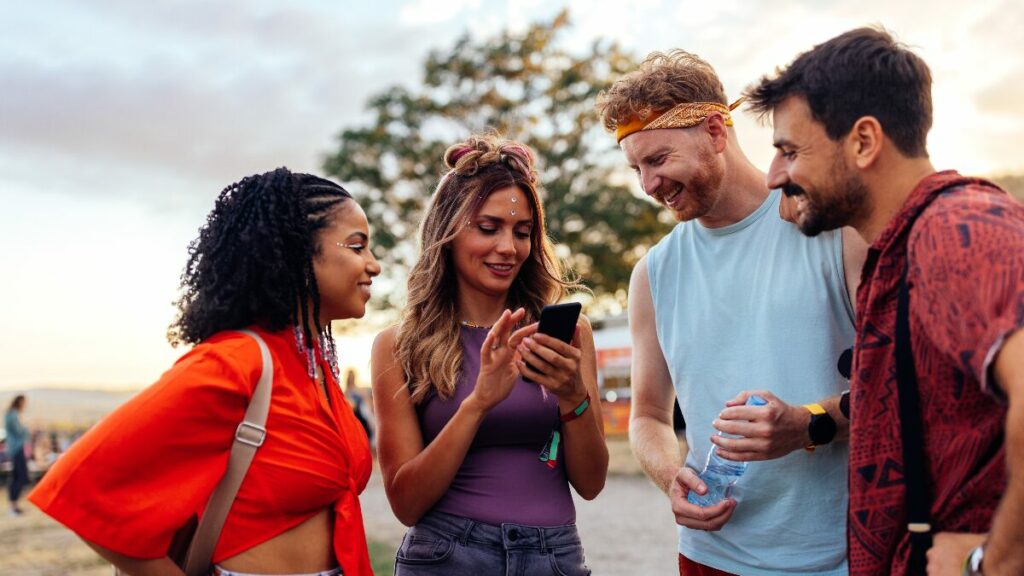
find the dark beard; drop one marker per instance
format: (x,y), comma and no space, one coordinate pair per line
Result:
(835,210)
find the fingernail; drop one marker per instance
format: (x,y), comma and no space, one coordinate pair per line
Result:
(528,341)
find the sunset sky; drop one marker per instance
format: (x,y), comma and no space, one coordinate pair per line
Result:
(120,121)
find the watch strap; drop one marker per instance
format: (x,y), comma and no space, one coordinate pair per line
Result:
(816,409)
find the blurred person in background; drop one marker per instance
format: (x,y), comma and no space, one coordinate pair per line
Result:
(360,407)
(16,436)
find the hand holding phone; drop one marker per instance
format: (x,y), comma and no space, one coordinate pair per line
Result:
(558,321)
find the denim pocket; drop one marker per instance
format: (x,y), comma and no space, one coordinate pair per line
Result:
(569,561)
(421,547)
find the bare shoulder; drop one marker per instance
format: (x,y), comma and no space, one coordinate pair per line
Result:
(586,328)
(384,369)
(384,342)
(639,274)
(641,304)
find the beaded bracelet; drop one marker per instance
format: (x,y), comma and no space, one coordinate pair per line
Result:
(578,411)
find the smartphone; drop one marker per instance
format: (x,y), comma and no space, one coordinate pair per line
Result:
(558,321)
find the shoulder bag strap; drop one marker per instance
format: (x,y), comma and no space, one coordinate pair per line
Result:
(249,436)
(914,470)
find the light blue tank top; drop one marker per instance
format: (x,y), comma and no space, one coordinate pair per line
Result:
(758,306)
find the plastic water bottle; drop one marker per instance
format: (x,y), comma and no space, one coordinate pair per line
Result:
(720,474)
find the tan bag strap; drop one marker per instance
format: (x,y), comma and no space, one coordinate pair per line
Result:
(249,436)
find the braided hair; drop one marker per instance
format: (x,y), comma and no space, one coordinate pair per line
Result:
(253,260)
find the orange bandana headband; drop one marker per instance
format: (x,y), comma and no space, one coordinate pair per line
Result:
(685,115)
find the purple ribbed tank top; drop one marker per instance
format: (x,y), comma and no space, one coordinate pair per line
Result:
(501,478)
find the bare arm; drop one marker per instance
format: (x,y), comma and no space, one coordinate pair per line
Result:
(1003,553)
(416,476)
(138,566)
(570,372)
(651,435)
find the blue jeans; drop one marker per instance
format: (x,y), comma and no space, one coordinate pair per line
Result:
(455,546)
(19,475)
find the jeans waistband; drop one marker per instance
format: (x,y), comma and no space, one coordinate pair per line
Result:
(506,536)
(218,571)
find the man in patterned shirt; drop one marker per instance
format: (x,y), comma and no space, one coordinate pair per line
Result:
(851,118)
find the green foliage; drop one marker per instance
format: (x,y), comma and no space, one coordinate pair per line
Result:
(529,88)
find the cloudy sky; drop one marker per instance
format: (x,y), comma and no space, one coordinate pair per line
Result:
(120,121)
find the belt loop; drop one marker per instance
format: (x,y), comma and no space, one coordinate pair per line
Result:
(466,529)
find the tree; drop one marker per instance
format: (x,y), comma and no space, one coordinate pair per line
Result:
(530,89)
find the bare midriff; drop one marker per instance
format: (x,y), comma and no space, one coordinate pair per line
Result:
(305,548)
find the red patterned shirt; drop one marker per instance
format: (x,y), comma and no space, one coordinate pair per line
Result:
(964,239)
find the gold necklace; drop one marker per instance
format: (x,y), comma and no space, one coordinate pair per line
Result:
(469,324)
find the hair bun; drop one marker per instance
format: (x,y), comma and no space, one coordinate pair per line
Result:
(481,151)
(455,153)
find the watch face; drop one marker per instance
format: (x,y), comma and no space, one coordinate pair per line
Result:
(822,429)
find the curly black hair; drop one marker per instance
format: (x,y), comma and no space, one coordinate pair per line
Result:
(253,260)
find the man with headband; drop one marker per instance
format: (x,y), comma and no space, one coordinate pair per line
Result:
(937,435)
(719,310)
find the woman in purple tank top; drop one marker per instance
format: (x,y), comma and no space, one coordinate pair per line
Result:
(477,460)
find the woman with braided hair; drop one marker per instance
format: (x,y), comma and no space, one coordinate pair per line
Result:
(478,461)
(281,254)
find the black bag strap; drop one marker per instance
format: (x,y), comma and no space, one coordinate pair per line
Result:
(914,462)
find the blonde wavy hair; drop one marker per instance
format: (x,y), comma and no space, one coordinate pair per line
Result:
(661,82)
(427,343)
